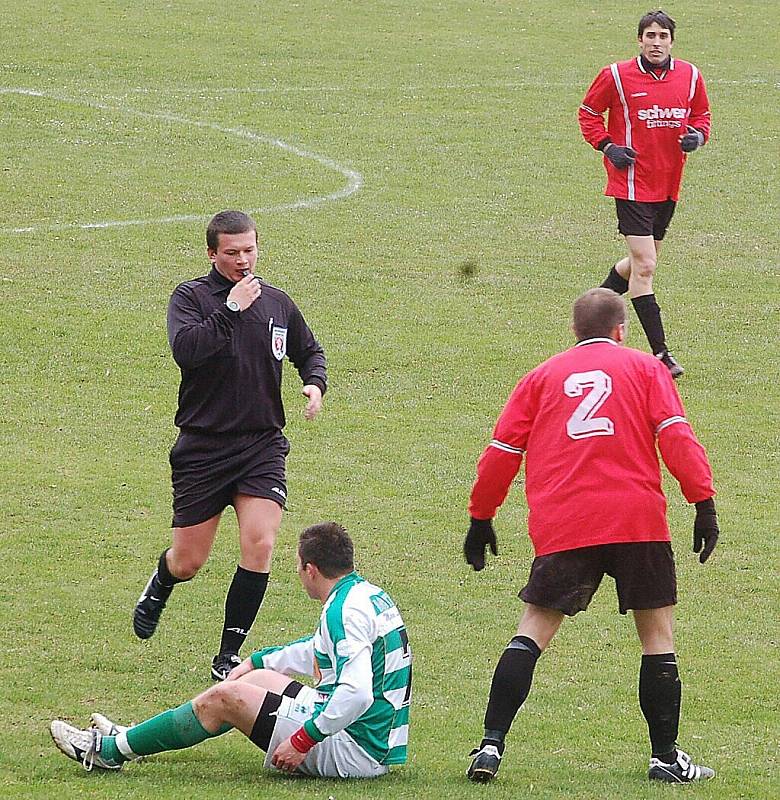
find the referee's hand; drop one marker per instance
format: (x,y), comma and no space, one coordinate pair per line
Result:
(479,536)
(245,292)
(314,405)
(621,157)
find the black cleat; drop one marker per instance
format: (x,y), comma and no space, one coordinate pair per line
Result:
(149,607)
(222,664)
(682,770)
(668,360)
(485,764)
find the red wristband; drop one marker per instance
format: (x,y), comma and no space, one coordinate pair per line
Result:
(301,741)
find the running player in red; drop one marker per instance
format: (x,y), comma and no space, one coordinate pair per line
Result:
(658,112)
(587,422)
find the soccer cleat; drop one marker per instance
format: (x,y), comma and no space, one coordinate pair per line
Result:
(149,607)
(81,746)
(106,726)
(682,770)
(485,764)
(668,360)
(222,664)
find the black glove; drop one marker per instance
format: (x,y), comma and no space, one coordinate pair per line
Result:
(479,536)
(692,140)
(705,529)
(620,156)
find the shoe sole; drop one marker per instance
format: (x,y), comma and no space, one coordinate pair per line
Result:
(481,776)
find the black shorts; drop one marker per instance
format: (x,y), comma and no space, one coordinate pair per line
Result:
(643,572)
(209,470)
(644,219)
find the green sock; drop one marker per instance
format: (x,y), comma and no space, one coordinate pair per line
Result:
(109,751)
(171,730)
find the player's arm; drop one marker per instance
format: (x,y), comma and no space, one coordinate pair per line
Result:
(295,658)
(700,118)
(351,698)
(590,114)
(192,338)
(687,461)
(496,469)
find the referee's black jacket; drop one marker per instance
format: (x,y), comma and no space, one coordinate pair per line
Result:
(231,363)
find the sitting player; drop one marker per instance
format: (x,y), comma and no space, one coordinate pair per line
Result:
(354,723)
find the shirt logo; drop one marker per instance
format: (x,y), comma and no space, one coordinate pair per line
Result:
(279,342)
(657,117)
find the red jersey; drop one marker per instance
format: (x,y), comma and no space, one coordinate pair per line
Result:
(587,422)
(647,111)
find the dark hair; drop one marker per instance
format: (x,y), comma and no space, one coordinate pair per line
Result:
(228,222)
(327,545)
(661,17)
(596,313)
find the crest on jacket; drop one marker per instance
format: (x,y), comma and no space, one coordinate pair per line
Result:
(279,342)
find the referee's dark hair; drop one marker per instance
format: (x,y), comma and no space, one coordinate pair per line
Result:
(661,17)
(597,313)
(228,222)
(327,545)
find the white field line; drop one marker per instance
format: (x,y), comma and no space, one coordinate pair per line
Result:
(353,184)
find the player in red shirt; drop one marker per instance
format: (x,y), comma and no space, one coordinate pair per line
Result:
(658,112)
(587,423)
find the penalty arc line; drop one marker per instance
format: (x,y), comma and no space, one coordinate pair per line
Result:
(354,178)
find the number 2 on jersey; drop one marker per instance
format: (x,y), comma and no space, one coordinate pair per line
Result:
(582,424)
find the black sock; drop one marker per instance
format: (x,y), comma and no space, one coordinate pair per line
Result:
(660,693)
(509,689)
(616,282)
(165,577)
(649,313)
(241,606)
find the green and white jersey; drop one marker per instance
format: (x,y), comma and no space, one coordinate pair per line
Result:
(361,657)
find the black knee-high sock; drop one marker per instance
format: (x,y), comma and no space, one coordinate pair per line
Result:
(241,606)
(649,313)
(660,694)
(616,282)
(509,689)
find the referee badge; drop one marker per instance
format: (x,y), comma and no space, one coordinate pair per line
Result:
(279,342)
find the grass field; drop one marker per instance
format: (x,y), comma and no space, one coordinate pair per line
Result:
(382,146)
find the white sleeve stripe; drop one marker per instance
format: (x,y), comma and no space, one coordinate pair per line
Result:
(694,78)
(590,110)
(507,448)
(670,421)
(627,119)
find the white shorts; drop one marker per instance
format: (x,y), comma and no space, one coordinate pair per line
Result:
(337,756)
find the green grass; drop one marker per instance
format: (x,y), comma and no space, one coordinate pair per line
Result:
(461,119)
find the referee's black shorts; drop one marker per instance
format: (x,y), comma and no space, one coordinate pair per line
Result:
(644,219)
(644,577)
(209,470)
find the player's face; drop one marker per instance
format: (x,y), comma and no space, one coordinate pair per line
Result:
(236,254)
(655,43)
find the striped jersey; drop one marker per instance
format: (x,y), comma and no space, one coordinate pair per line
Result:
(647,110)
(587,422)
(362,661)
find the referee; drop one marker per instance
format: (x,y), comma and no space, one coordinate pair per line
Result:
(658,112)
(229,332)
